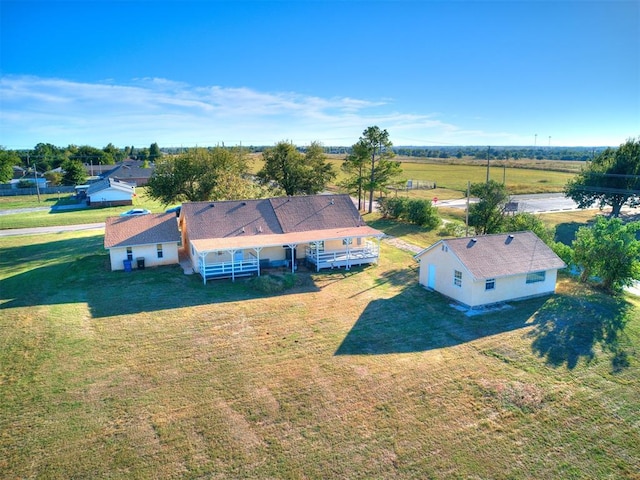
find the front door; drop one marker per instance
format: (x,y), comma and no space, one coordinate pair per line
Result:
(431,279)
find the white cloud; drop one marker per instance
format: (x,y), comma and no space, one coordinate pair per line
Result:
(147,110)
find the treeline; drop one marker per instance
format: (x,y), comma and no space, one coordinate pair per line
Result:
(502,153)
(46,156)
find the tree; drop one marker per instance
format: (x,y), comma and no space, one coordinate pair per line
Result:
(47,156)
(88,154)
(294,172)
(8,158)
(524,221)
(610,251)
(154,152)
(74,173)
(612,178)
(354,166)
(487,214)
(376,144)
(200,175)
(113,154)
(321,171)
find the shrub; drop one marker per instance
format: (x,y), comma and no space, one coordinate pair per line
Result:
(423,213)
(452,229)
(393,207)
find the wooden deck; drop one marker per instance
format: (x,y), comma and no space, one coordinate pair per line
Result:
(346,258)
(238,268)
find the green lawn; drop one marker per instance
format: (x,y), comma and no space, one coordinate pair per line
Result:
(360,374)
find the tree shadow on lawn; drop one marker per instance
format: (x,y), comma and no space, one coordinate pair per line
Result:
(566,232)
(73,272)
(566,327)
(418,320)
(569,327)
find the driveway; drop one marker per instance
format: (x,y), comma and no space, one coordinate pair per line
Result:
(57,229)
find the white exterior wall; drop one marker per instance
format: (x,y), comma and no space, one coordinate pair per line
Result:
(472,292)
(270,253)
(148,252)
(110,195)
(445,264)
(512,288)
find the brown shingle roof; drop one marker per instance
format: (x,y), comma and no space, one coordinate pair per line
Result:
(282,220)
(315,212)
(499,255)
(228,219)
(141,230)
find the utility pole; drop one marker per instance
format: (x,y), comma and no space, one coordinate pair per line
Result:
(488,156)
(466,221)
(35,177)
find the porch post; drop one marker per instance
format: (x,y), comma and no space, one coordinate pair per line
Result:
(233,265)
(317,257)
(293,261)
(348,266)
(203,270)
(257,250)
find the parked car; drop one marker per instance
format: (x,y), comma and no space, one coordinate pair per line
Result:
(135,211)
(175,210)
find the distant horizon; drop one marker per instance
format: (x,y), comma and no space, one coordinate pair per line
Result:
(416,147)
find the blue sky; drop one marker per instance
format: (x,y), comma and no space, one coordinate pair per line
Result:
(508,72)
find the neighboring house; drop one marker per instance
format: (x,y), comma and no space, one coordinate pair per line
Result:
(143,240)
(130,171)
(234,238)
(26,178)
(110,193)
(490,269)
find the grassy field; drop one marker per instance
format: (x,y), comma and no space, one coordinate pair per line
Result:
(450,179)
(48,218)
(360,374)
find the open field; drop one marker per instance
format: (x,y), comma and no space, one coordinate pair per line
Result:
(359,374)
(450,178)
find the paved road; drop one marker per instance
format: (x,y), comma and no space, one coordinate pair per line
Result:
(57,229)
(538,203)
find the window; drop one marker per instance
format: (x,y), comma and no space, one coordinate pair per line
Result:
(319,245)
(159,250)
(457,278)
(535,277)
(347,241)
(490,284)
(129,253)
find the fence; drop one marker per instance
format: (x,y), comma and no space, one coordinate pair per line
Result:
(12,192)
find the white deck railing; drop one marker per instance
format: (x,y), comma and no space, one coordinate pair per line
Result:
(228,269)
(344,258)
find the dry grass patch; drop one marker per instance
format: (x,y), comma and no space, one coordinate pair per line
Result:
(352,374)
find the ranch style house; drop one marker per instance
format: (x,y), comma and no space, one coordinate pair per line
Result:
(229,239)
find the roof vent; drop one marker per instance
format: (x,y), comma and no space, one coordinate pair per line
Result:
(332,201)
(244,203)
(211,205)
(509,239)
(474,240)
(242,229)
(510,235)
